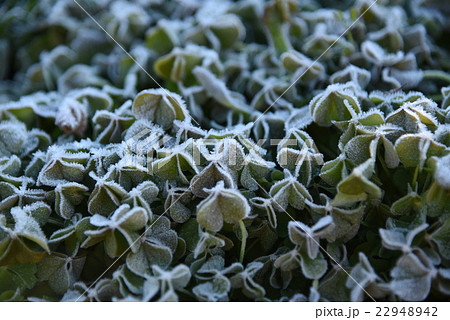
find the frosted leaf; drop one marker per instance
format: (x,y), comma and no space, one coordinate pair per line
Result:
(299,119)
(396,240)
(174,279)
(165,35)
(209,177)
(442,134)
(364,146)
(53,63)
(346,221)
(142,196)
(157,248)
(206,242)
(77,77)
(443,280)
(217,90)
(27,227)
(72,235)
(126,20)
(289,191)
(178,64)
(411,115)
(130,283)
(14,248)
(171,166)
(402,78)
(104,290)
(215,290)
(406,204)
(35,165)
(255,168)
(72,117)
(288,261)
(267,205)
(10,169)
(44,104)
(313,268)
(298,153)
(389,37)
(217,27)
(414,149)
(221,205)
(302,235)
(67,196)
(442,174)
(371,118)
(271,94)
(106,196)
(337,102)
(436,197)
(245,280)
(10,195)
(363,276)
(333,171)
(119,231)
(186,130)
(17,110)
(16,140)
(376,54)
(128,173)
(357,186)
(215,267)
(302,67)
(231,153)
(16,279)
(60,271)
(110,126)
(160,107)
(178,203)
(39,211)
(411,277)
(446,97)
(143,138)
(352,73)
(442,238)
(94,98)
(321,40)
(62,166)
(101,159)
(239,131)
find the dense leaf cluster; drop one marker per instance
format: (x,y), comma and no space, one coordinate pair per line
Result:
(283,158)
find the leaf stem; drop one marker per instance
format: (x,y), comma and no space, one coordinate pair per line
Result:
(243,240)
(416,174)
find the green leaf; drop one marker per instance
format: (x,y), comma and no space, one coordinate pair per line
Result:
(222,204)
(160,107)
(442,238)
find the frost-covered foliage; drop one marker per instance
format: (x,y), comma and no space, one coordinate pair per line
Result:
(230,155)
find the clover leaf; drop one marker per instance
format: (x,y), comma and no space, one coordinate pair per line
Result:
(221,205)
(159,106)
(119,232)
(308,237)
(23,242)
(338,102)
(157,248)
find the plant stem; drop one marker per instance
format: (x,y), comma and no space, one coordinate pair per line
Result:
(416,174)
(243,240)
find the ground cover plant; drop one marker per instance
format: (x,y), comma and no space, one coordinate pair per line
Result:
(252,150)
